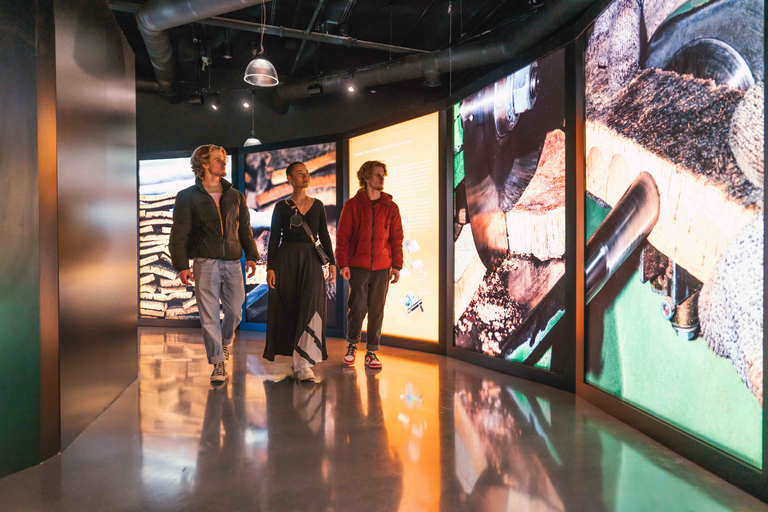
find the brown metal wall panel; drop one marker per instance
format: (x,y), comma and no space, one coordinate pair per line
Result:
(96,131)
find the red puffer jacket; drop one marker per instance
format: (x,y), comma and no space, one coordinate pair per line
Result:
(355,247)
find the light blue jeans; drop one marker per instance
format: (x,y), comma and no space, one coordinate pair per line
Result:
(218,285)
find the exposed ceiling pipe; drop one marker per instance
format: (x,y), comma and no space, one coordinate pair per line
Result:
(553,16)
(156,17)
(272,30)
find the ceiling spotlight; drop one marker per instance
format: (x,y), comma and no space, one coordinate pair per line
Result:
(246,104)
(351,88)
(374,91)
(214,105)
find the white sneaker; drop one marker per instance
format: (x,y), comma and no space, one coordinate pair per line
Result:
(349,355)
(219,372)
(306,374)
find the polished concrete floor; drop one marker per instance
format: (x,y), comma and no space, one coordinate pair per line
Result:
(426,433)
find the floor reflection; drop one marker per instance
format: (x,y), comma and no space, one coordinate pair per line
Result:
(503,453)
(355,440)
(427,433)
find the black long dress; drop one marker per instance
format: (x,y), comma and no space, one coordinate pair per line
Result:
(297,304)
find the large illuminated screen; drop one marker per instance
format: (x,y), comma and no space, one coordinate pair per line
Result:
(674,168)
(265,185)
(161,293)
(509,217)
(410,151)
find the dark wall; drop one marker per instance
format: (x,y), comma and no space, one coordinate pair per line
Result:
(19,249)
(96,127)
(162,126)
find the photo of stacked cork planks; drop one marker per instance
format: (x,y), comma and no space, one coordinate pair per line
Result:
(161,292)
(266,184)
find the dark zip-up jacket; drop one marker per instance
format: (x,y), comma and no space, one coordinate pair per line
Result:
(370,236)
(197,229)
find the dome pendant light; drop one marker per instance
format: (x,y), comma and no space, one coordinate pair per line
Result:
(252,140)
(260,72)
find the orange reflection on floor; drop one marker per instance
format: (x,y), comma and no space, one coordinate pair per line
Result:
(409,393)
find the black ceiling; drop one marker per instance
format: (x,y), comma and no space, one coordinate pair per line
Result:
(420,24)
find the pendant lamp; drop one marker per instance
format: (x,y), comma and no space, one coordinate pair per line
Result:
(252,140)
(260,72)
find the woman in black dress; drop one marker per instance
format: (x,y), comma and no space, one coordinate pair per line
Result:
(296,278)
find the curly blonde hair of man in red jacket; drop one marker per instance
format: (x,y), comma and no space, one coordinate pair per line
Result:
(365,173)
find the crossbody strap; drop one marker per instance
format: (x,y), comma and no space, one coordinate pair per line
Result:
(304,222)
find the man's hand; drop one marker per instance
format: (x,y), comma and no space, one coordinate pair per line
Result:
(331,276)
(345,273)
(271,278)
(394,275)
(186,277)
(250,268)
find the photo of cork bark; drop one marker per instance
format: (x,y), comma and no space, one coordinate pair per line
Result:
(161,293)
(674,174)
(265,185)
(509,216)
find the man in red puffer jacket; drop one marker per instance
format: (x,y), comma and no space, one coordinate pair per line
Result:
(369,252)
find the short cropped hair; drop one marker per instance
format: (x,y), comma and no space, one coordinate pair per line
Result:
(366,171)
(292,167)
(202,155)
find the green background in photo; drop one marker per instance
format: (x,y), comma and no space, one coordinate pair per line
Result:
(640,359)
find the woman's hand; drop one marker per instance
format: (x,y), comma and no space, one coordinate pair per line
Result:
(271,278)
(331,277)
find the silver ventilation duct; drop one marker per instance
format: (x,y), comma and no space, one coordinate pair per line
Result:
(156,17)
(554,15)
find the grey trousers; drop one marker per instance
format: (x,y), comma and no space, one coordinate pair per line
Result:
(367,294)
(218,285)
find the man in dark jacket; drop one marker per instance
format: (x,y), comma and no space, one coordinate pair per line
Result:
(212,226)
(369,252)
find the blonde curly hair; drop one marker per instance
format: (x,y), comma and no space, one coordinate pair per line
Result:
(202,155)
(366,171)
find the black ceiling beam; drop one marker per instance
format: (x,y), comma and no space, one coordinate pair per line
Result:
(320,5)
(417,22)
(347,12)
(493,13)
(477,11)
